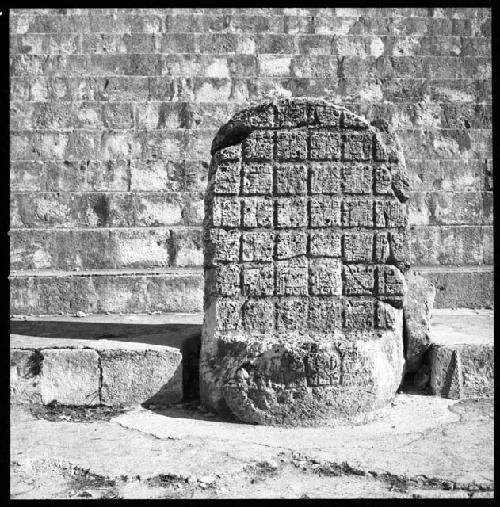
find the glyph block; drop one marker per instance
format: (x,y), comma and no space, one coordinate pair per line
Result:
(259,145)
(257,179)
(291,145)
(257,212)
(291,212)
(291,179)
(326,178)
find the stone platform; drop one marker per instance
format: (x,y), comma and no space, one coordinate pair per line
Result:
(104,360)
(150,341)
(418,447)
(461,358)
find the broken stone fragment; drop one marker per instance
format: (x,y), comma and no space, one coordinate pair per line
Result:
(417,318)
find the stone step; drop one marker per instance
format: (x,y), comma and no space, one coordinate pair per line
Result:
(50,292)
(100,291)
(150,359)
(105,248)
(461,356)
(149,247)
(105,209)
(460,287)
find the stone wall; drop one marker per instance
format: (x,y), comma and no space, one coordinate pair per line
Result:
(113,112)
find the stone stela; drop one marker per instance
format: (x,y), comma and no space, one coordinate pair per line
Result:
(305,246)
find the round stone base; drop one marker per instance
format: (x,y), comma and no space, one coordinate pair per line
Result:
(297,381)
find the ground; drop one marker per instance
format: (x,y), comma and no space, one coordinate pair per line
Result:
(420,446)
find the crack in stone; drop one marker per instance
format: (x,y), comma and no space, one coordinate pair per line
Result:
(145,433)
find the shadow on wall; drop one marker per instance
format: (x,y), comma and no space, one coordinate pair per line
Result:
(184,337)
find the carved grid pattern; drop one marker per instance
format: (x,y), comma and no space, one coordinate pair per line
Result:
(317,221)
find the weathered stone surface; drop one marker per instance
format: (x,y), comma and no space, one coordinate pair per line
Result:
(111,120)
(417,316)
(303,322)
(25,368)
(138,450)
(462,370)
(129,377)
(133,291)
(461,357)
(70,377)
(76,371)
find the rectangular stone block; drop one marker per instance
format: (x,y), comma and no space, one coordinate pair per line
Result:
(129,377)
(325,243)
(357,213)
(357,179)
(291,145)
(325,211)
(226,212)
(291,279)
(450,245)
(139,293)
(325,314)
(291,179)
(390,214)
(290,244)
(358,314)
(274,65)
(259,145)
(258,280)
(258,315)
(325,178)
(222,246)
(228,314)
(462,371)
(325,277)
(383,179)
(70,376)
(260,117)
(357,147)
(257,179)
(358,247)
(359,279)
(398,246)
(257,246)
(291,212)
(227,178)
(291,314)
(325,145)
(223,280)
(25,368)
(390,281)
(257,212)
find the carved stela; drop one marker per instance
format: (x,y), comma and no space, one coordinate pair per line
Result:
(305,249)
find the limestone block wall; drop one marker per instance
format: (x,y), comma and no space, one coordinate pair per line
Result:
(113,112)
